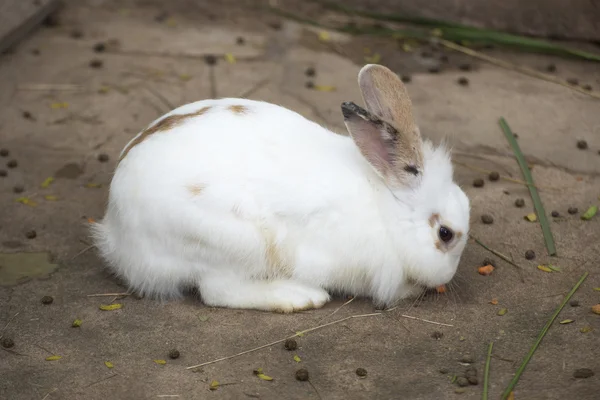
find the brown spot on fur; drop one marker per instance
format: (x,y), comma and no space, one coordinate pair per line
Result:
(277,266)
(163,125)
(195,189)
(433,219)
(458,235)
(439,246)
(238,109)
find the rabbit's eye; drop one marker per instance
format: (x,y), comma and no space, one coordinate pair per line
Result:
(445,234)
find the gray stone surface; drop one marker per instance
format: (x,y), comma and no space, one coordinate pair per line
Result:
(402,359)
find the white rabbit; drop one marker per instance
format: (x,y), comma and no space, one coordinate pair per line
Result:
(260,208)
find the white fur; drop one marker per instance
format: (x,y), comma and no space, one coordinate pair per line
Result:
(272,176)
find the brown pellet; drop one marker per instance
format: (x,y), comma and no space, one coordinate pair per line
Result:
(434,70)
(573,210)
(174,353)
(12,164)
(572,81)
(487,219)
(4,152)
(520,203)
(31,234)
(478,182)
(310,71)
(465,67)
(555,214)
(7,343)
(18,189)
(290,344)
(361,372)
(530,254)
(582,144)
(103,157)
(551,68)
(99,47)
(494,176)
(210,59)
(463,81)
(406,78)
(437,335)
(302,374)
(96,63)
(47,300)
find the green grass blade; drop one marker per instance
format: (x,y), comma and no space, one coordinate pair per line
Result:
(486,372)
(537,201)
(514,381)
(460,32)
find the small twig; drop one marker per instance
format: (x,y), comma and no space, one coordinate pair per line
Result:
(487,171)
(46,350)
(535,197)
(497,253)
(102,380)
(49,393)
(316,391)
(503,359)
(162,98)
(50,86)
(109,294)
(8,323)
(425,320)
(336,310)
(486,373)
(541,335)
(83,251)
(284,339)
(213,82)
(514,67)
(254,88)
(168,395)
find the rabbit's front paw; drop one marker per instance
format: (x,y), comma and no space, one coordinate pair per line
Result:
(290,296)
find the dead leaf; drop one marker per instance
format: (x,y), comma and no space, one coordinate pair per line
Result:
(160,362)
(264,377)
(325,88)
(47,182)
(171,22)
(214,385)
(485,270)
(502,311)
(50,197)
(441,289)
(586,216)
(77,323)
(544,268)
(185,77)
(407,48)
(91,220)
(27,201)
(554,268)
(108,364)
(104,89)
(230,58)
(56,106)
(374,59)
(324,36)
(203,318)
(586,329)
(596,309)
(565,321)
(437,32)
(531,217)
(111,307)
(300,333)
(511,396)
(462,338)
(597,289)
(297,358)
(494,301)
(53,358)
(92,185)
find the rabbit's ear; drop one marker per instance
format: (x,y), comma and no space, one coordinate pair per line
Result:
(386,96)
(384,147)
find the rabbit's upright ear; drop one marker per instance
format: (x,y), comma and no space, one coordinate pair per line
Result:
(387,101)
(386,134)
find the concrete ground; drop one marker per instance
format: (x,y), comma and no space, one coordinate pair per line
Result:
(153,60)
